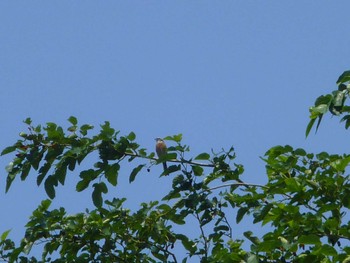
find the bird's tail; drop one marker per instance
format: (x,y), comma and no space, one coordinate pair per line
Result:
(165,166)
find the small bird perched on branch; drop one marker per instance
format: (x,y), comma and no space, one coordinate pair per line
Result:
(161,150)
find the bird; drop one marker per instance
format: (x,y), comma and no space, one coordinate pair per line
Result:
(161,150)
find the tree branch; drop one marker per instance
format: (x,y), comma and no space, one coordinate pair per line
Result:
(236,184)
(172,161)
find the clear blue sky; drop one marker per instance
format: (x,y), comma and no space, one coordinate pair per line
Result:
(222,73)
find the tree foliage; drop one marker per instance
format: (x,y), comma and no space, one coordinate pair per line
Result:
(333,103)
(303,205)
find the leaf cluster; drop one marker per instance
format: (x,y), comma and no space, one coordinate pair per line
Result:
(335,103)
(111,232)
(302,208)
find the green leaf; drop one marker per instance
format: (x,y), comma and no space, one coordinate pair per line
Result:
(292,185)
(347,123)
(347,259)
(99,188)
(346,118)
(285,244)
(42,172)
(28,121)
(8,150)
(97,195)
(131,136)
(319,122)
(172,169)
(35,156)
(253,239)
(82,185)
(321,109)
(84,129)
(188,244)
(25,170)
(324,99)
(341,164)
(253,259)
(309,239)
(338,99)
(345,77)
(221,228)
(54,132)
(9,167)
(322,156)
(89,175)
(28,247)
(327,250)
(71,161)
(268,245)
(61,172)
(300,151)
(9,180)
(202,156)
(171,195)
(177,138)
(197,170)
(103,187)
(4,235)
(107,132)
(177,219)
(240,214)
(261,215)
(134,172)
(111,173)
(164,207)
(73,120)
(50,184)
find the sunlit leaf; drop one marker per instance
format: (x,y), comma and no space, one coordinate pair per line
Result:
(341,164)
(345,77)
(253,259)
(4,235)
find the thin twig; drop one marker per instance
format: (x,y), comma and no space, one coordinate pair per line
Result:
(206,247)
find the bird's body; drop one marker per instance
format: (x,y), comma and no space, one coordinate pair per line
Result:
(161,150)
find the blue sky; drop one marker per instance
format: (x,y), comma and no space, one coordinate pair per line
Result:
(225,73)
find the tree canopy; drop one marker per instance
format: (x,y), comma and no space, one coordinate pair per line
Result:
(304,203)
